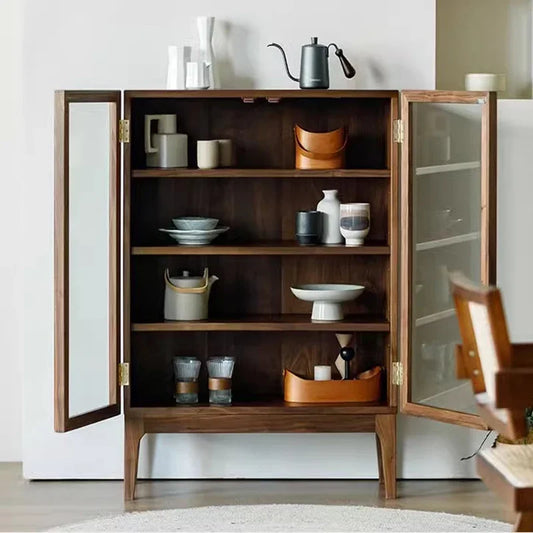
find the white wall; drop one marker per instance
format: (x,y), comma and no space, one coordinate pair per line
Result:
(11,217)
(72,44)
(515,216)
(485,36)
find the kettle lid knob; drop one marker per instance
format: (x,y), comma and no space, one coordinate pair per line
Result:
(314,40)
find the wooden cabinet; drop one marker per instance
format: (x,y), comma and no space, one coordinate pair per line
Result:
(253,314)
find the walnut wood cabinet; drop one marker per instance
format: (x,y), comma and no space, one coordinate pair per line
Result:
(424,160)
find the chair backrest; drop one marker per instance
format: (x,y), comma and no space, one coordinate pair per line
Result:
(486,349)
(483,330)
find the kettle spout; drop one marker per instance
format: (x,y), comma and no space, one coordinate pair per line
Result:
(293,78)
(210,282)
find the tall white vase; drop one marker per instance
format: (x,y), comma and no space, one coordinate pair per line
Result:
(206,27)
(330,207)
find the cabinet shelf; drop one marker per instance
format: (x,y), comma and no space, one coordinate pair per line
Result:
(449,167)
(434,317)
(448,241)
(275,406)
(264,248)
(287,322)
(258,173)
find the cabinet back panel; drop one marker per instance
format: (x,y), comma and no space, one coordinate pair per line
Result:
(260,361)
(263,132)
(260,209)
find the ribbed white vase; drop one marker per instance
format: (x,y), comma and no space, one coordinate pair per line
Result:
(330,207)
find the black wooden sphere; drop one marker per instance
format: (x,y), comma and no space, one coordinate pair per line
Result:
(347,353)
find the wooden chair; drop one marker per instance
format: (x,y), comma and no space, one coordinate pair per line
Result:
(502,378)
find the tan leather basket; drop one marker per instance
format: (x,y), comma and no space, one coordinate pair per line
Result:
(366,388)
(316,151)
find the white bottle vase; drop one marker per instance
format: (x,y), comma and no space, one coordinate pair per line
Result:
(206,26)
(330,207)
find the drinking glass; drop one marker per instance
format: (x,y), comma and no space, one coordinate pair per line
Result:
(220,370)
(186,370)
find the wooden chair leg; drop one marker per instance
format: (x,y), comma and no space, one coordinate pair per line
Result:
(524,522)
(380,461)
(386,433)
(134,431)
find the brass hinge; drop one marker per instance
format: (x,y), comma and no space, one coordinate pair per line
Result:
(398,131)
(397,373)
(124,131)
(124,374)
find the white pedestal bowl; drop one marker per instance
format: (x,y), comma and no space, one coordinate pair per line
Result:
(327,298)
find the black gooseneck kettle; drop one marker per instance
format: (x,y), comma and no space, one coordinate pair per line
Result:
(314,64)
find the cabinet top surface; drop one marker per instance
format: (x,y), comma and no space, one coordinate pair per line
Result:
(262,93)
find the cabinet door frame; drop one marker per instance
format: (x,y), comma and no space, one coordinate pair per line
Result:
(488,232)
(62,420)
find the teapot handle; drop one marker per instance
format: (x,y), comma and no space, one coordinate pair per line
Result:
(191,290)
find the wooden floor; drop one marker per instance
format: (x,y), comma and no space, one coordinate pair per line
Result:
(38,505)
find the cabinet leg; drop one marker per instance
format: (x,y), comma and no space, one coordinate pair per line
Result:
(133,433)
(386,438)
(380,461)
(524,522)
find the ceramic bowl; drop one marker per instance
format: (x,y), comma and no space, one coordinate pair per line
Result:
(195,237)
(195,223)
(327,298)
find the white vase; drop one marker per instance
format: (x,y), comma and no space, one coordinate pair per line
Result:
(206,26)
(330,207)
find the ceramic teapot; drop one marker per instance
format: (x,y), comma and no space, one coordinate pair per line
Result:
(186,296)
(314,64)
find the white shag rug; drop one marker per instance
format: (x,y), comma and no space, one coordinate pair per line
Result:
(323,518)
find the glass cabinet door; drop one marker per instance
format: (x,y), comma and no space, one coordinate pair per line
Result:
(87,265)
(448,224)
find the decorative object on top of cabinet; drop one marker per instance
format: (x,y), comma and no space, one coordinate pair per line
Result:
(195,237)
(220,370)
(365,388)
(308,227)
(206,28)
(327,298)
(186,371)
(166,148)
(355,223)
(172,69)
(195,223)
(197,75)
(314,64)
(319,151)
(330,207)
(186,296)
(344,340)
(476,81)
(208,154)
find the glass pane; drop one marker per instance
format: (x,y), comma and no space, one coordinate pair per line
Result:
(89,247)
(446,196)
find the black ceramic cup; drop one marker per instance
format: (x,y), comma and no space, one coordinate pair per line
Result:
(308,227)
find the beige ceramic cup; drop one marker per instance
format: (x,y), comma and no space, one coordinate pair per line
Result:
(226,154)
(207,154)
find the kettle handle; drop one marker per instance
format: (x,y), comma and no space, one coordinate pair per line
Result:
(148,148)
(191,290)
